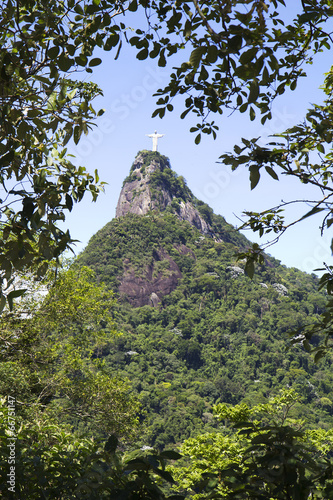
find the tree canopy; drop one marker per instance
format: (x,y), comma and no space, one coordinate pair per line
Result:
(268,455)
(51,359)
(242,54)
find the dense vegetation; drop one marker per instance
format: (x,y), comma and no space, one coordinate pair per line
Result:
(53,376)
(86,364)
(219,336)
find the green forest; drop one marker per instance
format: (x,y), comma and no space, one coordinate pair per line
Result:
(205,393)
(172,359)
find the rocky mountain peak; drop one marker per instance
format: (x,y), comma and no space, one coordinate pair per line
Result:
(152,185)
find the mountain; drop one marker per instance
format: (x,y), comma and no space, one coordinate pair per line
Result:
(196,329)
(152,189)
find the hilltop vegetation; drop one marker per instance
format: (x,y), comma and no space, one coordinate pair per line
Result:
(218,336)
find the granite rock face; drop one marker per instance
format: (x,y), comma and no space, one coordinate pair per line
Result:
(138,197)
(151,286)
(135,196)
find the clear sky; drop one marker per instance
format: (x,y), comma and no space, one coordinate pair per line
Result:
(128,85)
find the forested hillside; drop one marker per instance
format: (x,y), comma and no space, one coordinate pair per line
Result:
(164,346)
(196,329)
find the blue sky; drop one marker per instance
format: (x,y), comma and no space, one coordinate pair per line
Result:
(128,85)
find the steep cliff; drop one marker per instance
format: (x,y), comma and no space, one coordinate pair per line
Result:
(152,185)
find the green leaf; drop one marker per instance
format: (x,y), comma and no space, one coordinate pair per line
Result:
(2,302)
(13,295)
(16,293)
(111,41)
(64,62)
(52,101)
(272,173)
(170,455)
(265,76)
(313,211)
(111,444)
(77,134)
(95,62)
(7,158)
(155,113)
(71,94)
(321,148)
(247,56)
(249,268)
(184,113)
(23,129)
(293,85)
(32,113)
(212,54)
(274,63)
(42,79)
(69,202)
(162,60)
(318,356)
(143,54)
(82,60)
(53,52)
(136,464)
(78,9)
(196,56)
(203,73)
(197,140)
(235,43)
(118,50)
(254,175)
(133,6)
(41,270)
(254,91)
(165,475)
(308,16)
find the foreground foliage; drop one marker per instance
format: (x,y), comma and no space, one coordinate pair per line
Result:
(259,452)
(50,361)
(42,108)
(53,462)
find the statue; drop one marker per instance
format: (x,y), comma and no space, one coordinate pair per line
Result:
(155,136)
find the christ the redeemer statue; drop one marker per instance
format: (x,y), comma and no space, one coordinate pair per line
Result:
(155,136)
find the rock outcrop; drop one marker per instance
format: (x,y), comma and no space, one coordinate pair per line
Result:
(152,185)
(151,285)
